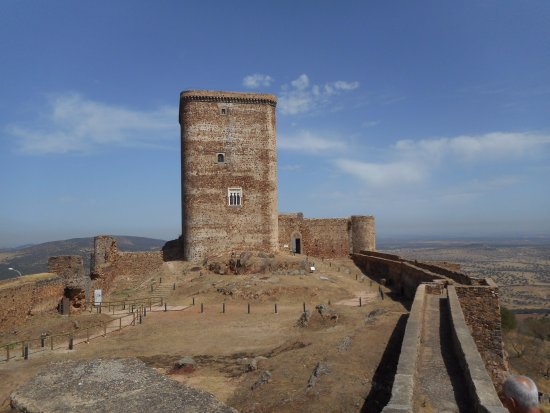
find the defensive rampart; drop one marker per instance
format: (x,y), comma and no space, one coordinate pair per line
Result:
(23,296)
(326,237)
(479,298)
(109,263)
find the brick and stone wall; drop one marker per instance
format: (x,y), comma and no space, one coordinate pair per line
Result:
(70,268)
(326,237)
(481,310)
(239,127)
(478,298)
(23,296)
(109,263)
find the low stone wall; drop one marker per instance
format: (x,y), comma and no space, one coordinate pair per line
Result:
(403,383)
(401,276)
(30,294)
(480,385)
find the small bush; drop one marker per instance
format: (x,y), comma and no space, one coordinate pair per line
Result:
(508,319)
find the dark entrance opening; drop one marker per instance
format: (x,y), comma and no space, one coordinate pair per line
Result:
(298,248)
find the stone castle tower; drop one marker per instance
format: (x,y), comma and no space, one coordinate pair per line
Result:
(229,172)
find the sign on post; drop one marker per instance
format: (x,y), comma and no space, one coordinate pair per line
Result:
(98,297)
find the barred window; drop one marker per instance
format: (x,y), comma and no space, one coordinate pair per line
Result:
(235,196)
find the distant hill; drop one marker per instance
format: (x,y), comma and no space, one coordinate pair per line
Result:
(34,258)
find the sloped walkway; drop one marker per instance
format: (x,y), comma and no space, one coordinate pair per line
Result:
(440,386)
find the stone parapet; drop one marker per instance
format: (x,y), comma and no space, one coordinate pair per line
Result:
(403,384)
(481,387)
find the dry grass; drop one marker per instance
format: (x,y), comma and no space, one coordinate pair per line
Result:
(14,282)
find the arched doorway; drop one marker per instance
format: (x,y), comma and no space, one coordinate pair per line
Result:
(296,242)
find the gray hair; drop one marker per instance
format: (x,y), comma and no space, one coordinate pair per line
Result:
(523,390)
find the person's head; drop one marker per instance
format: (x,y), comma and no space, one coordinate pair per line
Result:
(520,394)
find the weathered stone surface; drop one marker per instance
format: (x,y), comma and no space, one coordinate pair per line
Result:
(303,321)
(264,378)
(326,312)
(116,385)
(326,237)
(320,369)
(23,296)
(187,363)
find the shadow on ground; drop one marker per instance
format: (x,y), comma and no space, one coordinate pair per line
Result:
(382,380)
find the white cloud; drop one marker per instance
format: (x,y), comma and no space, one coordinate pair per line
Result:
(76,124)
(305,141)
(490,146)
(383,174)
(416,161)
(257,80)
(301,96)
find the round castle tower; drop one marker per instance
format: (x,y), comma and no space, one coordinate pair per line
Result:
(363,233)
(229,172)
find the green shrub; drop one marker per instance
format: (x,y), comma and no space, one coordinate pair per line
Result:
(508,319)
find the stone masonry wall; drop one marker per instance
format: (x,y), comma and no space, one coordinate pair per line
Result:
(23,296)
(478,299)
(481,310)
(241,128)
(70,268)
(109,263)
(326,237)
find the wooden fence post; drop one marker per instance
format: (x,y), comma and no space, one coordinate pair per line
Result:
(248,308)
(104,329)
(7,353)
(223,308)
(71,342)
(120,323)
(275,308)
(202,308)
(26,352)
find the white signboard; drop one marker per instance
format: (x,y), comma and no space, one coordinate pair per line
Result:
(98,298)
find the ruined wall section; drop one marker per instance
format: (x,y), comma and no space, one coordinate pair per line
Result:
(110,264)
(241,127)
(71,270)
(21,297)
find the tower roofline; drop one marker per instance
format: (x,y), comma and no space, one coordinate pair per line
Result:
(229,97)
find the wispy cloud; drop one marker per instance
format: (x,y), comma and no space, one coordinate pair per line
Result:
(305,141)
(257,80)
(383,174)
(490,146)
(74,124)
(301,96)
(411,161)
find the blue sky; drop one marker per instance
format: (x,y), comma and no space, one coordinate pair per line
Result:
(434,116)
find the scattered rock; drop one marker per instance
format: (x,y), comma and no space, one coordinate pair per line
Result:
(195,269)
(326,312)
(320,369)
(303,321)
(371,317)
(345,344)
(76,324)
(186,365)
(264,378)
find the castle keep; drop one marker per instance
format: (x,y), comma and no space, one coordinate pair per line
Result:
(229,184)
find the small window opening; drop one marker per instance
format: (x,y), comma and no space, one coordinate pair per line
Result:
(220,157)
(235,196)
(224,111)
